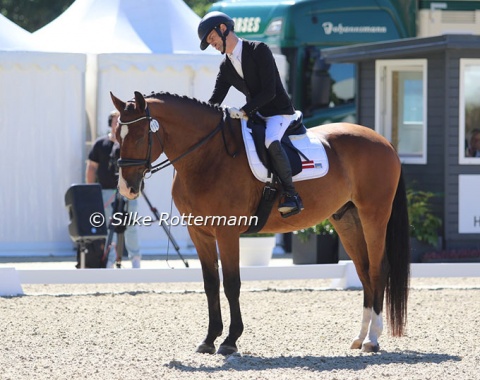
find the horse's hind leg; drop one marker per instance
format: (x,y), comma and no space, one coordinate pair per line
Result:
(374,223)
(351,233)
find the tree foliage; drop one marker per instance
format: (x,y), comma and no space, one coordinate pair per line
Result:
(200,7)
(33,14)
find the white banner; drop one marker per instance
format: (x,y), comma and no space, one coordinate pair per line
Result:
(468,204)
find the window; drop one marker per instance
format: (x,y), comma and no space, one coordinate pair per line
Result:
(469,111)
(326,85)
(401,107)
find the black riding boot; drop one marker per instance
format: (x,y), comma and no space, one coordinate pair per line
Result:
(292,204)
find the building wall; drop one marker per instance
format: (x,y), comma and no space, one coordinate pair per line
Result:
(452,167)
(440,174)
(366,93)
(430,176)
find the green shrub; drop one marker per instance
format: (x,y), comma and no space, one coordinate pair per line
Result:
(424,225)
(323,228)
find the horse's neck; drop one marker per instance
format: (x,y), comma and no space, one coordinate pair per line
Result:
(186,122)
(186,136)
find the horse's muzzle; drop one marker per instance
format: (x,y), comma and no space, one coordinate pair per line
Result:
(133,192)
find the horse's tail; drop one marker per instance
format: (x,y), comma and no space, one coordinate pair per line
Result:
(398,254)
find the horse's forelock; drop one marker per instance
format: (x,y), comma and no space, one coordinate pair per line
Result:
(130,106)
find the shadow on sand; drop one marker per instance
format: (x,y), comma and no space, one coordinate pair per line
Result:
(318,363)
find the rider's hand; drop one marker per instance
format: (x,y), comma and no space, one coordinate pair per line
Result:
(235,113)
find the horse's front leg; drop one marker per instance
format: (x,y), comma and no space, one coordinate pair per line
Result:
(228,244)
(207,253)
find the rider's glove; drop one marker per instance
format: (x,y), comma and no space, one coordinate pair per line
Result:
(235,113)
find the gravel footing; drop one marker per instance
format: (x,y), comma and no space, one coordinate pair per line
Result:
(293,330)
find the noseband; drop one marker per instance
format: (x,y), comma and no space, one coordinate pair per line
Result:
(154,127)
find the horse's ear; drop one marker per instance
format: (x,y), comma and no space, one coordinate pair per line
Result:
(140,100)
(119,105)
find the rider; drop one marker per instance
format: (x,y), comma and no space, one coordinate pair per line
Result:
(252,70)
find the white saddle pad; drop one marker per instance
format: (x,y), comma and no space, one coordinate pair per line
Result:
(316,165)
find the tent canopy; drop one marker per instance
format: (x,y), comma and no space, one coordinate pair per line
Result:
(122,26)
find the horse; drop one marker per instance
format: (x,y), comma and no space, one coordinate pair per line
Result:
(363,195)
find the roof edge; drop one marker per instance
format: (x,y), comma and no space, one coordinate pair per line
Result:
(376,50)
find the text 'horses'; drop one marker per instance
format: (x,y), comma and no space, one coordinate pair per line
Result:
(363,189)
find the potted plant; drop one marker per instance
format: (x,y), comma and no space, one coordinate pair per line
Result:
(315,245)
(256,249)
(424,224)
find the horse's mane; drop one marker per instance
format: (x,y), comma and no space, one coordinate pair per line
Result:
(202,103)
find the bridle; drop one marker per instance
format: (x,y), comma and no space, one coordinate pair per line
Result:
(153,129)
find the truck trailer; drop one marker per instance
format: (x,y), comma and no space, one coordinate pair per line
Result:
(300,29)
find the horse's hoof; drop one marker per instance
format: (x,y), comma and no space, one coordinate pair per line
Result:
(370,347)
(206,348)
(356,344)
(226,350)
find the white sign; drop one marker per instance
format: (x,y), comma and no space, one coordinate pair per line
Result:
(468,204)
(247,24)
(330,28)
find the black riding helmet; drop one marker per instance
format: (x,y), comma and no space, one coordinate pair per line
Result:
(212,21)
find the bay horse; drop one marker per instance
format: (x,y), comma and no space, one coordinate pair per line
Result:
(213,178)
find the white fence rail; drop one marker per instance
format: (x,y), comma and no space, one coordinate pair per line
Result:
(343,275)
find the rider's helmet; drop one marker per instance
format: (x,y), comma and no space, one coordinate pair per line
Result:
(212,21)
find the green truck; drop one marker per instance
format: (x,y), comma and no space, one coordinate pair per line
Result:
(299,29)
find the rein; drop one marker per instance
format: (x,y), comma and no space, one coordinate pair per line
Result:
(154,127)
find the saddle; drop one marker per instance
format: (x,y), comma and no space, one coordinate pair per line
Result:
(296,127)
(254,138)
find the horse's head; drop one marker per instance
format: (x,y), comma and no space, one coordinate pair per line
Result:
(134,134)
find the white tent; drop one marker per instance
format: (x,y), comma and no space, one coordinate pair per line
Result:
(123,26)
(42,124)
(137,45)
(132,45)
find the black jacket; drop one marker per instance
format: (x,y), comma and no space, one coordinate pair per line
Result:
(101,153)
(261,85)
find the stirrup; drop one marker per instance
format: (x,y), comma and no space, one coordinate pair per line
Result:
(294,211)
(295,206)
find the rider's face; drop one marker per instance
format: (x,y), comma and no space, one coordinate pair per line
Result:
(214,39)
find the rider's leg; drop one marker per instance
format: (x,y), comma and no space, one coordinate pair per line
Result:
(276,127)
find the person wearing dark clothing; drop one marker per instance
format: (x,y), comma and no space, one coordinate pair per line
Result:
(105,170)
(250,67)
(473,148)
(101,168)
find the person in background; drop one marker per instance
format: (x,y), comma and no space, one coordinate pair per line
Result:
(473,149)
(101,168)
(250,67)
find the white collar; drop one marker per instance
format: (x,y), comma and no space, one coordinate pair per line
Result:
(237,51)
